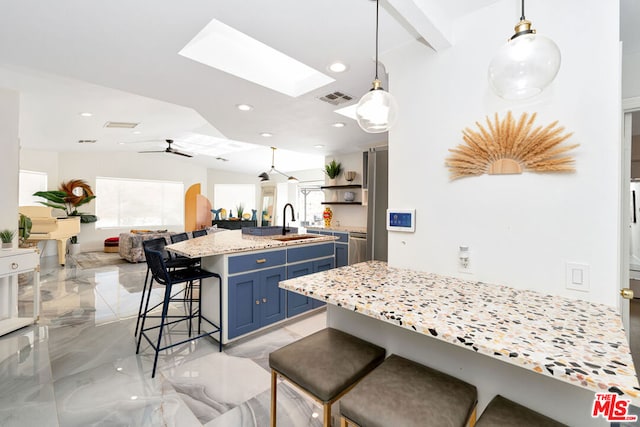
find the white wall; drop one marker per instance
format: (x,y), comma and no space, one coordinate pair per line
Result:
(41,161)
(88,166)
(215,176)
(631,75)
(521,228)
(9,160)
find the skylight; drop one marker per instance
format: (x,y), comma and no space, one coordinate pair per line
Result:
(211,146)
(227,49)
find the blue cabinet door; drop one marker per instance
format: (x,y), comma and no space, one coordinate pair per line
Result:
(342,254)
(243,304)
(297,303)
(272,304)
(321,265)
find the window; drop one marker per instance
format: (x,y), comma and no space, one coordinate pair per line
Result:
(138,203)
(29,183)
(229,196)
(310,198)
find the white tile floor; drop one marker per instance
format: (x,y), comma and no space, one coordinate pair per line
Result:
(78,366)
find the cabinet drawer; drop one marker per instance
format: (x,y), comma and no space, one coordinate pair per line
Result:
(309,252)
(342,237)
(254,261)
(18,263)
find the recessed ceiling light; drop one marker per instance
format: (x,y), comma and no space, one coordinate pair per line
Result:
(134,397)
(266,134)
(318,146)
(244,107)
(121,143)
(86,114)
(227,49)
(338,125)
(337,67)
(136,132)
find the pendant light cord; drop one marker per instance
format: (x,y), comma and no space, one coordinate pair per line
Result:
(522,18)
(377,8)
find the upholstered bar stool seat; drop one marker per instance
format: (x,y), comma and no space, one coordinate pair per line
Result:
(325,365)
(502,412)
(400,392)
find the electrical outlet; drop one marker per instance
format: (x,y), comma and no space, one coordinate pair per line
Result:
(577,276)
(465,264)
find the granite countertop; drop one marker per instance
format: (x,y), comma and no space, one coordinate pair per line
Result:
(575,341)
(342,228)
(233,241)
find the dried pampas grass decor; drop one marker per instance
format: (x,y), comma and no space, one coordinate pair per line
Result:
(508,147)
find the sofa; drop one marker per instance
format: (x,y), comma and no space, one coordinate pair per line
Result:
(130,245)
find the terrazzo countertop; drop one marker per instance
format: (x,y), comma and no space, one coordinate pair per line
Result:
(233,241)
(575,341)
(345,228)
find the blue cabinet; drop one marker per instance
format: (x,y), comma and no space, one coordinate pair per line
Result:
(298,303)
(255,300)
(342,254)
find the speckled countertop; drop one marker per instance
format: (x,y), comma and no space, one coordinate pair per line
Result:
(575,341)
(233,241)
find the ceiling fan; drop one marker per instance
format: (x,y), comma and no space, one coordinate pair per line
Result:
(169,149)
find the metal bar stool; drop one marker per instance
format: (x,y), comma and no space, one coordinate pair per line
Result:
(158,244)
(169,279)
(325,365)
(401,392)
(199,233)
(502,412)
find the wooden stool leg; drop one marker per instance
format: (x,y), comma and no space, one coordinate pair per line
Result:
(274,391)
(344,422)
(327,415)
(472,418)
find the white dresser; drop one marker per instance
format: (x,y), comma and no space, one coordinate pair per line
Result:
(13,262)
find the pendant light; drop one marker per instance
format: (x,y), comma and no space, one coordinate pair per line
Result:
(377,111)
(525,65)
(264,176)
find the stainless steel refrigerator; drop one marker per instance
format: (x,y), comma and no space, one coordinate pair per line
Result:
(376,183)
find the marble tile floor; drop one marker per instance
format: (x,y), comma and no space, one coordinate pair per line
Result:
(78,366)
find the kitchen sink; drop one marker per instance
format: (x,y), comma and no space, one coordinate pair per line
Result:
(290,237)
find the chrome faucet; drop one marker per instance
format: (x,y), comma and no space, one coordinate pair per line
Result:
(284,218)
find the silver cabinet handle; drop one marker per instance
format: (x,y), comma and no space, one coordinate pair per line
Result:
(14,265)
(257,302)
(261,261)
(264,300)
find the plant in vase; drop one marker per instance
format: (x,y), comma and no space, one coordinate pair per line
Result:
(24,229)
(6,236)
(240,210)
(68,197)
(333,169)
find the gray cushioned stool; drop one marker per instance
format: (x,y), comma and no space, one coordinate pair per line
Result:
(325,365)
(400,392)
(502,412)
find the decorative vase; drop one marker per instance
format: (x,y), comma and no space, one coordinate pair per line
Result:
(327,215)
(253,215)
(350,175)
(332,181)
(349,196)
(8,245)
(74,248)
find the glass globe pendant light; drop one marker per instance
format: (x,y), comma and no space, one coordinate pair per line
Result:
(377,110)
(525,65)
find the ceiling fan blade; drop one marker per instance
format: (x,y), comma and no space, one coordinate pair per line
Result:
(156,151)
(180,153)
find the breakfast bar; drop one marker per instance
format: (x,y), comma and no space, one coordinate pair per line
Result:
(495,337)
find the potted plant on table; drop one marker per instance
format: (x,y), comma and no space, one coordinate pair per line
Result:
(240,209)
(24,229)
(332,169)
(6,236)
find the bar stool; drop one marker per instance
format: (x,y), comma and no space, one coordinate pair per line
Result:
(502,412)
(158,244)
(401,392)
(199,233)
(325,365)
(169,279)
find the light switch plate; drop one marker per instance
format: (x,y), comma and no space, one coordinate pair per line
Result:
(577,276)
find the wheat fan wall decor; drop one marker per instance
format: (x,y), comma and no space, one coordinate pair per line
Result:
(508,147)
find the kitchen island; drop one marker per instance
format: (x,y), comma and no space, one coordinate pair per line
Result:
(251,268)
(547,352)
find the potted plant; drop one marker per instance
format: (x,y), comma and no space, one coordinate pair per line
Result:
(332,169)
(24,229)
(6,236)
(69,196)
(240,209)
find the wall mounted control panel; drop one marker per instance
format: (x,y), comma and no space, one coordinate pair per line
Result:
(401,220)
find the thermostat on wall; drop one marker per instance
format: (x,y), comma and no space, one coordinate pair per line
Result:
(401,220)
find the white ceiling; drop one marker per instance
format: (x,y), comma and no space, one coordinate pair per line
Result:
(119,60)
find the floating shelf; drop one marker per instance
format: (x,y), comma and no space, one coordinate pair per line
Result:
(340,187)
(341,203)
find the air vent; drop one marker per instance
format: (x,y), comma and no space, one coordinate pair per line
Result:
(87,141)
(121,125)
(336,98)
